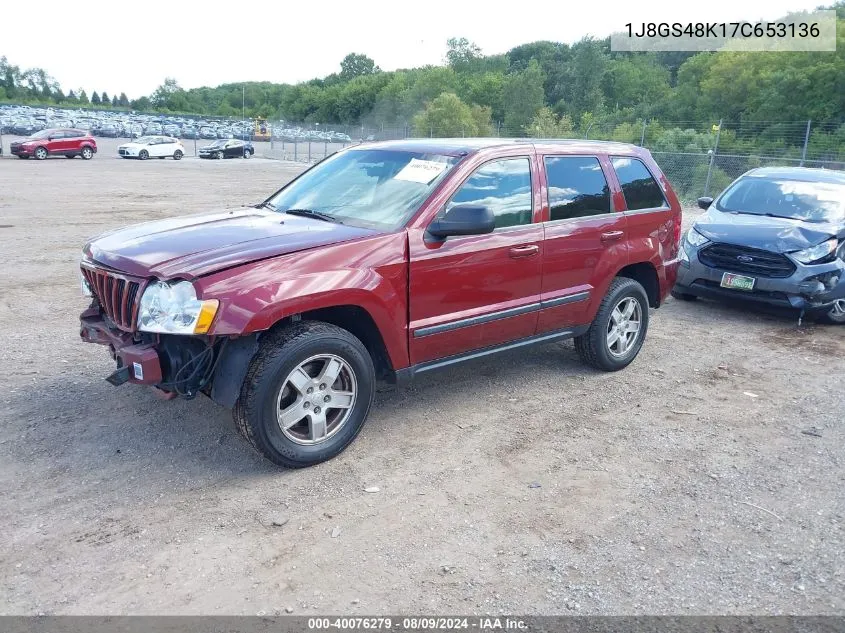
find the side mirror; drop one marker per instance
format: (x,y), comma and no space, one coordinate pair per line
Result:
(463,219)
(705,202)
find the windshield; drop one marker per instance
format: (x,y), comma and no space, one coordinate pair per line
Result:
(372,188)
(218,144)
(42,134)
(144,140)
(796,199)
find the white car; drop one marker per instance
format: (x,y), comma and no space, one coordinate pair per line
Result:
(152,147)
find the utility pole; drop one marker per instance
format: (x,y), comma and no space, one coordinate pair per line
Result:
(712,159)
(806,142)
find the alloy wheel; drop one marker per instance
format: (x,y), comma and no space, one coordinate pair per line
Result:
(623,328)
(316,399)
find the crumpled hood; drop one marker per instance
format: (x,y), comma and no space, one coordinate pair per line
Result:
(779,235)
(195,245)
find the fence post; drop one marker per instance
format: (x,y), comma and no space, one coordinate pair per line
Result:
(642,136)
(296,151)
(325,148)
(309,150)
(712,160)
(806,141)
(431,132)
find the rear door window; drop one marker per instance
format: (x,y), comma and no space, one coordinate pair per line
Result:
(640,189)
(577,187)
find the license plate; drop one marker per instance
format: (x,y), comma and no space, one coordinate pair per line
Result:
(737,282)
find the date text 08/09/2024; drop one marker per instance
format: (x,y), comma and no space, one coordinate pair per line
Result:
(420,623)
(723,29)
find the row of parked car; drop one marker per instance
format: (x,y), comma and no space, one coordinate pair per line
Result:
(25,121)
(72,142)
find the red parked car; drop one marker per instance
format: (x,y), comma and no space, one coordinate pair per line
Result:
(383,262)
(58,142)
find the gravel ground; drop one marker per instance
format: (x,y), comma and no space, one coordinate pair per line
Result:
(705,478)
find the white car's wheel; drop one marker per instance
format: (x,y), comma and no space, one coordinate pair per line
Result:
(177,155)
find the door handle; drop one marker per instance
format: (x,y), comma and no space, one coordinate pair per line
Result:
(524,251)
(612,236)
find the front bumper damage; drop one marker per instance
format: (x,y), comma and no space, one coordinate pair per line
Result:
(812,288)
(137,363)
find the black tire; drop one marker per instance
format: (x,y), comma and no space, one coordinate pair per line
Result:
(833,316)
(40,153)
(683,296)
(280,353)
(592,346)
(143,154)
(87,153)
(247,154)
(177,155)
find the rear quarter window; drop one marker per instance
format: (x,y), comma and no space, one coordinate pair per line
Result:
(638,185)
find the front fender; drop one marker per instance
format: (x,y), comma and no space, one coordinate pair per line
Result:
(256,296)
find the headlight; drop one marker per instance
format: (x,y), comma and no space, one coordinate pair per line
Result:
(173,308)
(816,253)
(86,287)
(695,238)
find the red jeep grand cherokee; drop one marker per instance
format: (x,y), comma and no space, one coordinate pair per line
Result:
(59,142)
(385,261)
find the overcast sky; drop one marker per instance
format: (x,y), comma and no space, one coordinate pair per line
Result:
(132,46)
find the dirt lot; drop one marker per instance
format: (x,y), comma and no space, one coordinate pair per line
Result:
(706,478)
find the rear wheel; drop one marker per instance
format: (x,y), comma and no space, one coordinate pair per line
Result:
(306,395)
(87,153)
(40,153)
(143,154)
(617,333)
(836,314)
(177,155)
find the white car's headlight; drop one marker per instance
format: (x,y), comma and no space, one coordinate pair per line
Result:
(173,308)
(695,238)
(86,287)
(815,253)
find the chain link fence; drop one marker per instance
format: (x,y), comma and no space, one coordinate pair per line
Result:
(699,158)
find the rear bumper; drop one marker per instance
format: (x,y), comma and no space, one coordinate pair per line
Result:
(142,359)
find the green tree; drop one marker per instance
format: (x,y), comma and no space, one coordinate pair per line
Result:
(523,97)
(105,98)
(446,116)
(546,124)
(83,98)
(114,102)
(355,65)
(123,100)
(462,54)
(95,98)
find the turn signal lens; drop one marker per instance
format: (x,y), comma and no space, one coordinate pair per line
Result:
(206,316)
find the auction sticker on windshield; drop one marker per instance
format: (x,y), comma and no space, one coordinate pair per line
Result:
(737,282)
(422,171)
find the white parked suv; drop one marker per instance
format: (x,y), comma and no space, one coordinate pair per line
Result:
(152,147)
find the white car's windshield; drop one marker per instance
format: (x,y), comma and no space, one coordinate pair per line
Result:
(144,140)
(796,199)
(373,188)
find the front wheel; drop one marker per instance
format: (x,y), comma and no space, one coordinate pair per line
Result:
(143,154)
(87,153)
(247,154)
(40,153)
(177,155)
(836,314)
(306,395)
(617,333)
(218,155)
